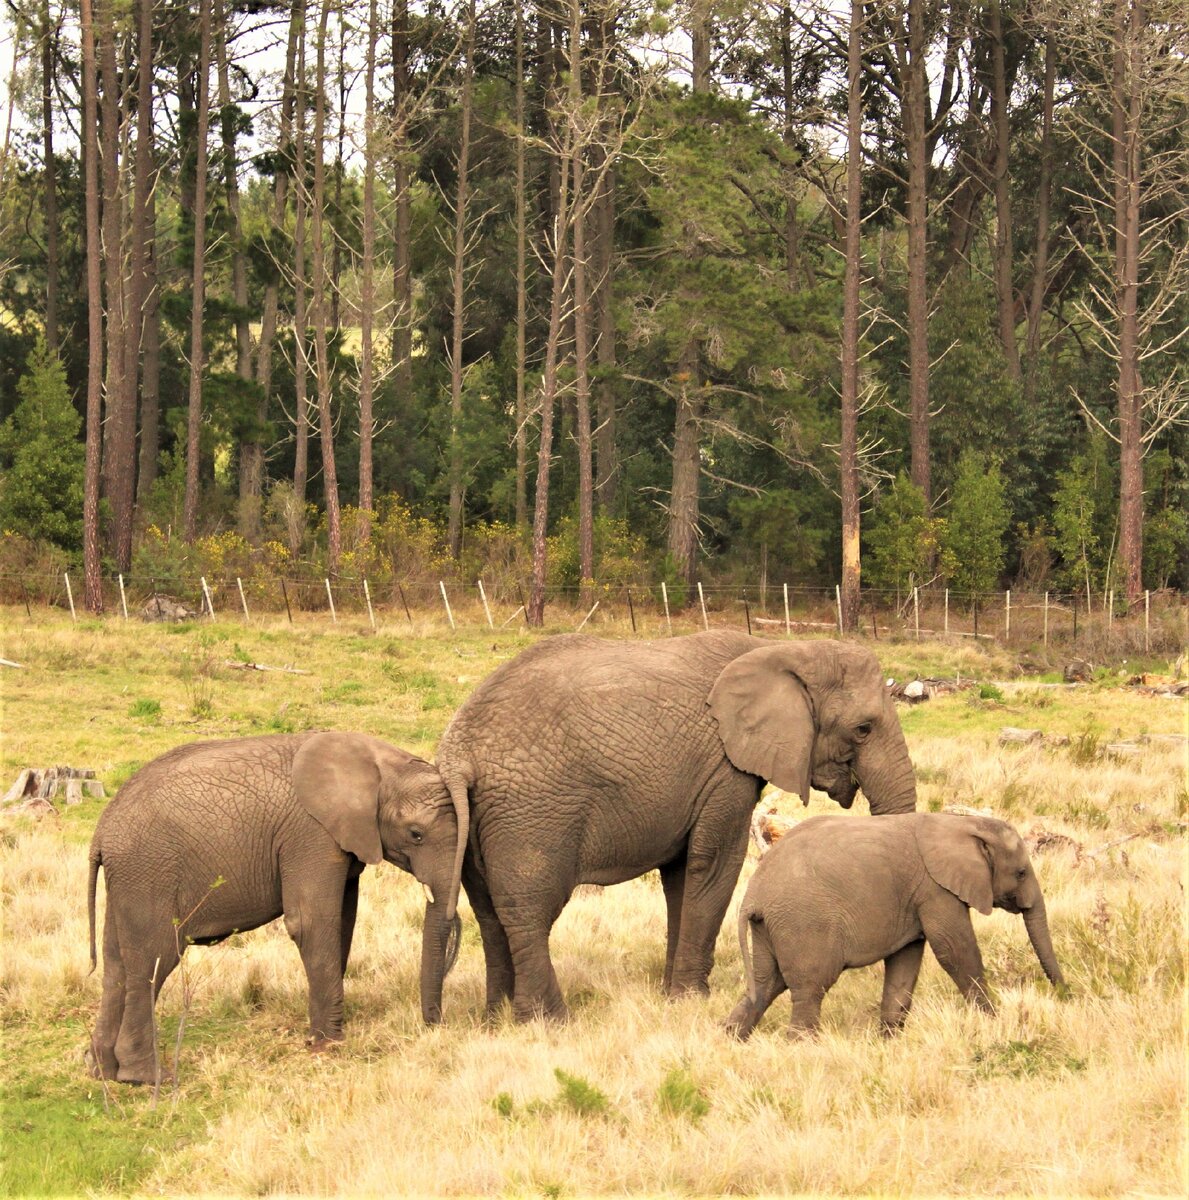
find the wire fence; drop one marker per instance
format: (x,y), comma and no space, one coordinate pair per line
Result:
(1156,624)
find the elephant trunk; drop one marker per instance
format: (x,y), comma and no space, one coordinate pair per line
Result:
(1036,921)
(890,791)
(439,949)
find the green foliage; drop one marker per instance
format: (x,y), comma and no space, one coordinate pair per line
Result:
(978,519)
(579,1096)
(41,488)
(1024,1058)
(902,538)
(145,710)
(1084,506)
(680,1096)
(618,553)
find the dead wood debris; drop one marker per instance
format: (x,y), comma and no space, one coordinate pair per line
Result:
(36,788)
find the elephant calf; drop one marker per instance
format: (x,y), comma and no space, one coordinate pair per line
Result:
(841,892)
(218,837)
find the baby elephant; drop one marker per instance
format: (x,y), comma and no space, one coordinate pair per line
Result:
(839,892)
(218,837)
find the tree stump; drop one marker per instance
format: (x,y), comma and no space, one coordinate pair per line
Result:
(35,788)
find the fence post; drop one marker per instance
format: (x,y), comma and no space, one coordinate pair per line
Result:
(25,597)
(916,611)
(976,616)
(239,583)
(70,595)
(1147,617)
(285,593)
(206,591)
(400,588)
(665,598)
(1046,624)
(788,629)
(946,624)
(838,605)
(1007,616)
(702,602)
(747,615)
(483,597)
(631,610)
(1110,612)
(1075,618)
(587,617)
(446,601)
(371,615)
(123,598)
(333,615)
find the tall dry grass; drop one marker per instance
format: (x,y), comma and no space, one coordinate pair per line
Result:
(636,1094)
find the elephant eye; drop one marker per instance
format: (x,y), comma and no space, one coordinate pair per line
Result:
(417,836)
(1021,872)
(863,731)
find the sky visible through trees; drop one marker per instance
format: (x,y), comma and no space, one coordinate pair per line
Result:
(588,291)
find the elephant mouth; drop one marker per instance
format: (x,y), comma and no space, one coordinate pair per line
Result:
(843,793)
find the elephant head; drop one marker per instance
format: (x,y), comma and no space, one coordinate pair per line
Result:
(816,713)
(985,863)
(378,801)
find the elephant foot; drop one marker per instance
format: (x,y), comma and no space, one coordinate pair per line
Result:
(699,987)
(144,1076)
(557,1014)
(324,1045)
(101,1064)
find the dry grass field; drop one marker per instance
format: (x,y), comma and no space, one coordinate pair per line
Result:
(635,1095)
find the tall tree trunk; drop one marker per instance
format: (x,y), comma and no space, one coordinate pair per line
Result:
(700,36)
(458,281)
(792,255)
(367,289)
(150,387)
(603,292)
(1127,152)
(239,272)
(321,288)
(336,252)
(301,365)
(402,275)
(198,277)
(535,614)
(848,449)
(93,582)
(581,316)
(1004,247)
(521,279)
(119,450)
(915,120)
(1044,189)
(48,42)
(251,476)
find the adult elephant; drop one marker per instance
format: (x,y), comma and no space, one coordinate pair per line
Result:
(216,837)
(591,761)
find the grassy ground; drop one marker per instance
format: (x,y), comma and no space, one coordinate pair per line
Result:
(634,1094)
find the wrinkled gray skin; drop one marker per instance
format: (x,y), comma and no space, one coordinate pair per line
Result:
(218,837)
(841,892)
(592,761)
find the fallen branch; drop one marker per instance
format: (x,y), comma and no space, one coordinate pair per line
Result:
(251,666)
(4,662)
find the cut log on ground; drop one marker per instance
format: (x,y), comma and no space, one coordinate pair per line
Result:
(44,783)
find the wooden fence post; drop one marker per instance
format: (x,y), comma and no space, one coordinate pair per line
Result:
(70,595)
(239,583)
(285,593)
(1046,623)
(123,598)
(916,611)
(946,625)
(371,614)
(1147,618)
(631,609)
(446,601)
(206,591)
(400,588)
(747,615)
(702,602)
(490,622)
(587,617)
(788,629)
(330,597)
(665,598)
(1007,616)
(838,602)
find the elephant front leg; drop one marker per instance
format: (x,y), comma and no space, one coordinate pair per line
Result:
(949,932)
(673,884)
(711,869)
(314,914)
(899,979)
(347,918)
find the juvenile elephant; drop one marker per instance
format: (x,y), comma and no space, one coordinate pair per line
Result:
(841,892)
(592,761)
(219,837)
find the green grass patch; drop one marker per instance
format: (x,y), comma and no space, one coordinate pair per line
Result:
(679,1096)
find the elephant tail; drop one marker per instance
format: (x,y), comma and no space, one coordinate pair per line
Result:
(96,859)
(747,916)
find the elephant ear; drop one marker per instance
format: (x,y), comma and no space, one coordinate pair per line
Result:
(957,858)
(763,702)
(336,779)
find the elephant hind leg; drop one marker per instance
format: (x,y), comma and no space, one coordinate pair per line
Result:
(497,955)
(673,883)
(527,922)
(111,1007)
(146,968)
(899,979)
(768,984)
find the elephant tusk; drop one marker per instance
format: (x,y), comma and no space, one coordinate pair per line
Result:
(428,893)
